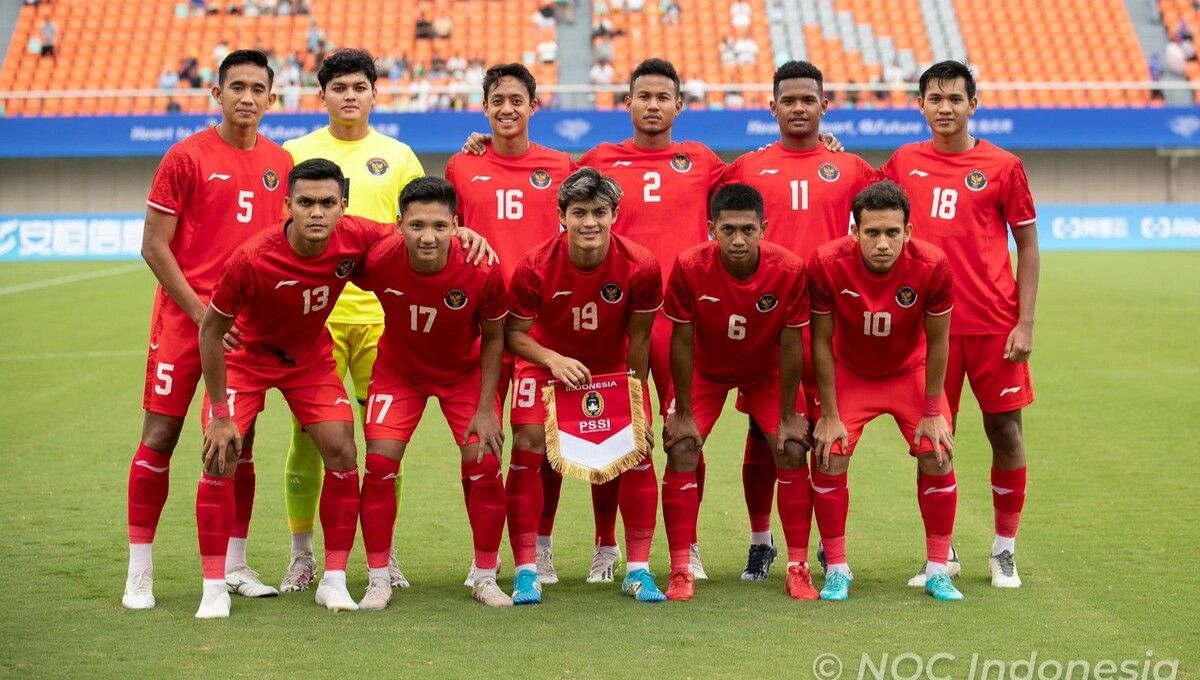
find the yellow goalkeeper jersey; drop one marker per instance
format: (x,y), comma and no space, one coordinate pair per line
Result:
(378,168)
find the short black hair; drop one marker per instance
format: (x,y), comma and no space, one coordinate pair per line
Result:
(655,67)
(885,195)
(492,78)
(347,61)
(798,69)
(736,197)
(240,57)
(429,190)
(947,71)
(316,169)
(587,184)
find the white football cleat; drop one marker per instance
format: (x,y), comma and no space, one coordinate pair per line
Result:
(214,603)
(470,580)
(953,568)
(696,566)
(333,596)
(604,562)
(245,582)
(300,573)
(378,595)
(139,590)
(545,567)
(395,576)
(1004,570)
(488,592)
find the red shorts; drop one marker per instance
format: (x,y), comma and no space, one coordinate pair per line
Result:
(760,399)
(807,397)
(527,405)
(313,391)
(999,385)
(173,362)
(660,360)
(861,400)
(395,406)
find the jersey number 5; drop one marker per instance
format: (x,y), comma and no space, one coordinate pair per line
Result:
(245,211)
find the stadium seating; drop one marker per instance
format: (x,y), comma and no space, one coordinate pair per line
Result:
(1172,12)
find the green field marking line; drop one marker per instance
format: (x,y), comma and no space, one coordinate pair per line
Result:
(71,278)
(50,356)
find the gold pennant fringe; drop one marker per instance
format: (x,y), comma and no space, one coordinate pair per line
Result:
(625,462)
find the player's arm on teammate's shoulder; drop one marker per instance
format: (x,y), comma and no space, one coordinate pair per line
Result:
(933,425)
(1029,265)
(831,142)
(485,423)
(829,427)
(477,143)
(476,246)
(156,251)
(222,441)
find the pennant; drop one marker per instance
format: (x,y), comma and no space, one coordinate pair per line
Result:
(597,431)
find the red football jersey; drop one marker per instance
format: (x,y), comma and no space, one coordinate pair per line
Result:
(665,202)
(879,319)
(281,300)
(433,322)
(737,323)
(511,200)
(965,203)
(585,314)
(806,194)
(221,196)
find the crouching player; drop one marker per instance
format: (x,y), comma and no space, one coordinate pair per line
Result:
(437,307)
(881,306)
(738,305)
(583,303)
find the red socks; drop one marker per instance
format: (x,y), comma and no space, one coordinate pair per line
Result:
(551,490)
(214,522)
(638,500)
(681,506)
(937,495)
(486,509)
(605,502)
(243,494)
(758,481)
(149,480)
(795,511)
(831,501)
(339,515)
(378,508)
(466,484)
(524,504)
(1008,498)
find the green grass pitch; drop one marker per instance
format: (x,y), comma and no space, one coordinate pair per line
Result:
(1108,550)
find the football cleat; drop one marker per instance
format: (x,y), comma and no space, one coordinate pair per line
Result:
(837,586)
(214,603)
(139,590)
(470,580)
(300,573)
(758,562)
(940,587)
(1004,570)
(545,567)
(378,595)
(696,565)
(681,584)
(604,562)
(334,596)
(526,588)
(953,567)
(488,592)
(245,582)
(798,583)
(821,556)
(639,584)
(395,576)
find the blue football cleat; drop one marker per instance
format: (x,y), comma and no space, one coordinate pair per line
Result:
(639,584)
(837,586)
(940,587)
(526,588)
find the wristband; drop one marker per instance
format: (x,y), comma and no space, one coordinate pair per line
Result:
(219,410)
(932,406)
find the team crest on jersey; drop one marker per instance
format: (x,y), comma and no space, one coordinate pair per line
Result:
(271,179)
(455,299)
(681,162)
(767,302)
(593,405)
(906,297)
(377,166)
(612,293)
(976,180)
(829,172)
(540,178)
(344,268)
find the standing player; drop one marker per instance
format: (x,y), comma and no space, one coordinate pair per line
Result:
(508,194)
(738,306)
(807,190)
(212,192)
(377,168)
(881,325)
(444,337)
(967,195)
(280,287)
(583,303)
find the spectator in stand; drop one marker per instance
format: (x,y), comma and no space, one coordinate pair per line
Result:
(189,72)
(746,50)
(543,17)
(442,26)
(602,48)
(168,79)
(424,27)
(739,14)
(601,73)
(49,39)
(695,89)
(1174,58)
(603,27)
(1182,30)
(315,36)
(547,50)
(566,10)
(670,11)
(728,55)
(635,5)
(219,53)
(1156,74)
(734,100)
(173,106)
